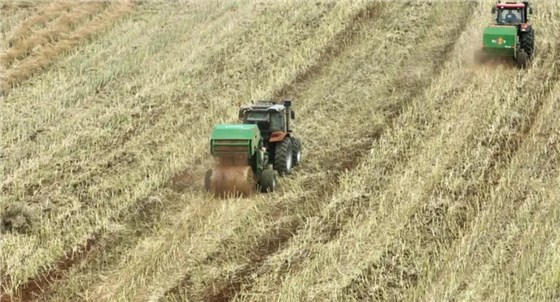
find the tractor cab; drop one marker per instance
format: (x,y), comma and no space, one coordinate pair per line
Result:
(510,16)
(512,13)
(271,118)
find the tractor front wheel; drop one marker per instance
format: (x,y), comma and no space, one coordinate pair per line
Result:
(267,182)
(283,157)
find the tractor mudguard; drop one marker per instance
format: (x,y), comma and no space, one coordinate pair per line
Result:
(277,136)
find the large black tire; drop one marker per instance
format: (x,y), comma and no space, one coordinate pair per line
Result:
(283,157)
(207,180)
(267,182)
(527,41)
(522,59)
(296,151)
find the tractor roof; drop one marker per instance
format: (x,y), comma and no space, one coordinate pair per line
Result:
(510,5)
(264,106)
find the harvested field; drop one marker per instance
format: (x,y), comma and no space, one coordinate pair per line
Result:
(426,177)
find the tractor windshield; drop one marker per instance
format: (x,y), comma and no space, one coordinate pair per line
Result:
(257,117)
(510,16)
(267,121)
(261,119)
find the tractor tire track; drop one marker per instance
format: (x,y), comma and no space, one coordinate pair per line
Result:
(340,43)
(275,239)
(35,288)
(136,220)
(271,241)
(433,222)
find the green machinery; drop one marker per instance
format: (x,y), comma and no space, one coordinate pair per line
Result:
(511,35)
(249,153)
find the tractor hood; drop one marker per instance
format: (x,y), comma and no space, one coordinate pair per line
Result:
(500,37)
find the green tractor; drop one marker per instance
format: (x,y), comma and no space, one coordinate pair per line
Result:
(511,35)
(249,153)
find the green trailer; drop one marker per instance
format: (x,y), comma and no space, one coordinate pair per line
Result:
(500,41)
(242,163)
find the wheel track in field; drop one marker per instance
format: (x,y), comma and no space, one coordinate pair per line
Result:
(144,213)
(275,239)
(44,55)
(136,220)
(432,219)
(33,289)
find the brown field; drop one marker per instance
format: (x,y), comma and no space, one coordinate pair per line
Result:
(426,177)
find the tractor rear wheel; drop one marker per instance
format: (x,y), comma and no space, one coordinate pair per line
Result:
(522,58)
(527,41)
(267,182)
(296,147)
(283,157)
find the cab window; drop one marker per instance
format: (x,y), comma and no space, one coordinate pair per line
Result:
(509,16)
(276,122)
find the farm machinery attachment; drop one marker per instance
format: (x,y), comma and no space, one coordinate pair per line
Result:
(249,154)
